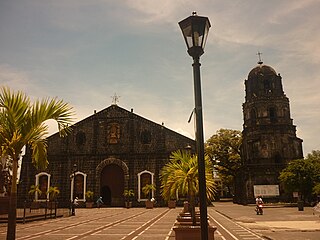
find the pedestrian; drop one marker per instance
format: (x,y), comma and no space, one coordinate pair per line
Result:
(259,200)
(76,201)
(99,202)
(259,205)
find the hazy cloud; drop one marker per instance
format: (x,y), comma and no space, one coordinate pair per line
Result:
(85,51)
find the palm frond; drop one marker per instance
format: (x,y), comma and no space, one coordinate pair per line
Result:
(39,154)
(180,175)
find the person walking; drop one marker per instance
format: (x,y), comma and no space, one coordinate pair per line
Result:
(99,202)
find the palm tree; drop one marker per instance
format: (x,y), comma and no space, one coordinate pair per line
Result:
(34,189)
(180,176)
(148,189)
(23,123)
(128,194)
(53,193)
(89,196)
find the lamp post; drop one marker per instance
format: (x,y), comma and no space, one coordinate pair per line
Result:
(195,32)
(73,212)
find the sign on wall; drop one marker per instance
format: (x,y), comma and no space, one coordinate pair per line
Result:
(266,190)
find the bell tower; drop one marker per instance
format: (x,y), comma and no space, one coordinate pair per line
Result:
(269,136)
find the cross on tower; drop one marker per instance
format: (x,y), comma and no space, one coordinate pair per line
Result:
(259,54)
(115,99)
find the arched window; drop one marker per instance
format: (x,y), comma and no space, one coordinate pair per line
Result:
(253,117)
(273,115)
(145,137)
(145,177)
(277,158)
(43,180)
(267,87)
(78,186)
(286,113)
(80,138)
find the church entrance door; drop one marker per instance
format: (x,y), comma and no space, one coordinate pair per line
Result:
(112,185)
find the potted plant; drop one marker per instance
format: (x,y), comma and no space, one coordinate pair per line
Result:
(147,190)
(172,203)
(180,176)
(33,192)
(53,193)
(128,194)
(89,199)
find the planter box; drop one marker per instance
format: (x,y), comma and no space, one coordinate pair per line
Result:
(172,204)
(183,232)
(89,204)
(149,204)
(128,204)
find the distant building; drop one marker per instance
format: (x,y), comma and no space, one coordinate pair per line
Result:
(111,150)
(269,136)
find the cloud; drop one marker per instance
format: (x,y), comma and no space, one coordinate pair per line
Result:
(85,51)
(12,77)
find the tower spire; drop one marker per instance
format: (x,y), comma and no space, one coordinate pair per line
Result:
(259,55)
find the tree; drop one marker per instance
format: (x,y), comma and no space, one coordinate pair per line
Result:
(5,180)
(89,196)
(34,189)
(53,193)
(303,176)
(128,194)
(180,176)
(23,123)
(147,190)
(223,148)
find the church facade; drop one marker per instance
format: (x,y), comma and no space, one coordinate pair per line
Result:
(110,151)
(269,137)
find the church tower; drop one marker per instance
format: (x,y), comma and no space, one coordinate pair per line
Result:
(269,136)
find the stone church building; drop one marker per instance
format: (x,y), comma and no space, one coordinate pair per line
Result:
(269,137)
(115,149)
(108,152)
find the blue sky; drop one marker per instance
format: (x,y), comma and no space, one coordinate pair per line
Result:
(84,51)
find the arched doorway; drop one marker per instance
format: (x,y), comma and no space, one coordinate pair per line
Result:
(106,195)
(112,185)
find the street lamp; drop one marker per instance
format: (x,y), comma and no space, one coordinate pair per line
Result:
(195,32)
(73,213)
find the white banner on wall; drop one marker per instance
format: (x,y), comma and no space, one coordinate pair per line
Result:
(266,190)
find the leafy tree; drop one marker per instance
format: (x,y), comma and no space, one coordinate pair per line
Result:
(223,148)
(180,176)
(314,156)
(23,123)
(303,176)
(316,189)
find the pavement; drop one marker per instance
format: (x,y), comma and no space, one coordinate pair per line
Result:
(278,221)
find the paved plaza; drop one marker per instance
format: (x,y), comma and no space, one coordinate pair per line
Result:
(277,223)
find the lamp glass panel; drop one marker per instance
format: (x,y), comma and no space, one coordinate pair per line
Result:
(187,33)
(198,33)
(206,33)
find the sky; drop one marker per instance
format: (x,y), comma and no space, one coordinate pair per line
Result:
(86,51)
